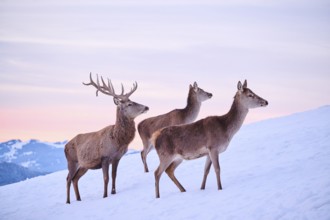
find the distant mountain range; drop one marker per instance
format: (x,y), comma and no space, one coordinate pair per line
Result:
(12,173)
(20,160)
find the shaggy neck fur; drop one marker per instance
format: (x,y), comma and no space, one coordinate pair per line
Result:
(124,129)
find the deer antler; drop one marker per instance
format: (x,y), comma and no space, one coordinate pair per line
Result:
(108,88)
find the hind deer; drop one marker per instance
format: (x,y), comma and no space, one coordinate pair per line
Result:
(207,137)
(99,149)
(186,115)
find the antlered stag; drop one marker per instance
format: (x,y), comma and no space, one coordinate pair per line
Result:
(207,137)
(99,149)
(186,115)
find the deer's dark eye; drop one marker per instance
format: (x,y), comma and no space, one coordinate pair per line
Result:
(251,95)
(130,104)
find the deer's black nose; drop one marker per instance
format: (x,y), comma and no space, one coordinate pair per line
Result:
(146,108)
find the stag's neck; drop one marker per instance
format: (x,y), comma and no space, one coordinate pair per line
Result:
(235,117)
(124,129)
(193,106)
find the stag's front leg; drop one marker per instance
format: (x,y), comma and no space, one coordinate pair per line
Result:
(105,169)
(114,175)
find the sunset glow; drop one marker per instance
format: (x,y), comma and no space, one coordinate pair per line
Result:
(48,48)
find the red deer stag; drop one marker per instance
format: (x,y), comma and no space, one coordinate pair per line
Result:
(207,137)
(186,115)
(99,149)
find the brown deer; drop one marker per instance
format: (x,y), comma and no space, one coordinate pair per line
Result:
(207,137)
(186,115)
(99,149)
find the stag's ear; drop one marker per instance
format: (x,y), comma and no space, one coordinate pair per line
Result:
(116,101)
(245,84)
(239,86)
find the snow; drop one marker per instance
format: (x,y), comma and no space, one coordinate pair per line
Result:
(274,169)
(29,163)
(57,144)
(15,146)
(27,153)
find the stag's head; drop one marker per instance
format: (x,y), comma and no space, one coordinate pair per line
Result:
(124,104)
(248,98)
(199,94)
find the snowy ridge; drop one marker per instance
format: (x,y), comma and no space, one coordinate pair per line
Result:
(274,169)
(14,146)
(34,154)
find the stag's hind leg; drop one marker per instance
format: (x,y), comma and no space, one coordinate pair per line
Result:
(80,172)
(170,172)
(72,167)
(68,185)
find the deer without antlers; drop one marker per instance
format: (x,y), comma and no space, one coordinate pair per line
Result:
(186,115)
(99,149)
(207,137)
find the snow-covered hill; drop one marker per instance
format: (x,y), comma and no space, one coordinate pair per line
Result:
(274,169)
(20,160)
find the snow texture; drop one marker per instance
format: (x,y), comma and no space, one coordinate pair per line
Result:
(274,169)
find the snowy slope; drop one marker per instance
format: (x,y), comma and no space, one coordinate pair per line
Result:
(274,169)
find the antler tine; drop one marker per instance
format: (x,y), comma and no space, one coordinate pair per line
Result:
(122,89)
(92,83)
(110,86)
(132,90)
(109,89)
(103,88)
(122,95)
(97,85)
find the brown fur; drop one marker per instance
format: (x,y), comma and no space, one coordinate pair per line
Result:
(99,149)
(175,117)
(207,137)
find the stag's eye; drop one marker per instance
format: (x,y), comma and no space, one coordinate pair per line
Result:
(130,104)
(251,95)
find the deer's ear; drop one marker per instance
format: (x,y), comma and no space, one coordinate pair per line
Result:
(239,86)
(195,87)
(116,101)
(245,84)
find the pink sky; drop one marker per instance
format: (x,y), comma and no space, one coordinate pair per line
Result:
(49,48)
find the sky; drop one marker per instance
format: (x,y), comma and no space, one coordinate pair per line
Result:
(48,48)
